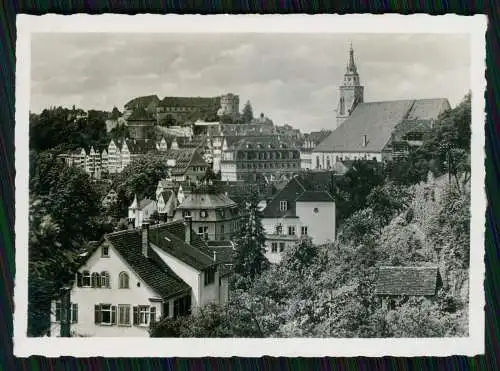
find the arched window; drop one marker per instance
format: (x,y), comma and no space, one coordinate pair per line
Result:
(95,280)
(86,279)
(123,278)
(105,279)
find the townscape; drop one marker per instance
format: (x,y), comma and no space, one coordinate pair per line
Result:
(195,217)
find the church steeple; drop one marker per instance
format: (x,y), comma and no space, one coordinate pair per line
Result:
(351,91)
(351,66)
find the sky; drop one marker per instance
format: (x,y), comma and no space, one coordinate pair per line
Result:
(291,78)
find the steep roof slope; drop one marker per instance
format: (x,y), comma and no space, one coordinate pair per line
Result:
(377,121)
(412,281)
(152,270)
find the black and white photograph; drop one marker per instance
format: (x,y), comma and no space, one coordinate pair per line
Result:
(251,185)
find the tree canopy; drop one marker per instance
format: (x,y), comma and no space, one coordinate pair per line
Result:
(247,115)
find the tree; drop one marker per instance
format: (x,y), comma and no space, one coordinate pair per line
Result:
(250,242)
(247,115)
(115,114)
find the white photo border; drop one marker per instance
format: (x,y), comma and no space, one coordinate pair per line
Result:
(472,345)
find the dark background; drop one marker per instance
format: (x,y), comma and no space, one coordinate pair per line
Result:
(8,11)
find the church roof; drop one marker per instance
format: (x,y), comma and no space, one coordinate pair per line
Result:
(377,120)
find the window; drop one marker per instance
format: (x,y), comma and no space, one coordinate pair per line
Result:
(291,230)
(105,279)
(141,315)
(182,306)
(123,279)
(279,229)
(209,276)
(105,251)
(282,246)
(222,232)
(95,280)
(283,205)
(105,314)
(73,311)
(86,279)
(186,213)
(123,314)
(152,314)
(315,210)
(203,213)
(274,247)
(203,232)
(166,309)
(303,230)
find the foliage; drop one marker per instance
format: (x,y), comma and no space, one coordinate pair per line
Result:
(247,115)
(250,241)
(67,129)
(139,178)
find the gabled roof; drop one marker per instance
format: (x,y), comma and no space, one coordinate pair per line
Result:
(207,201)
(152,270)
(300,188)
(142,101)
(140,146)
(377,121)
(170,237)
(315,196)
(412,281)
(144,202)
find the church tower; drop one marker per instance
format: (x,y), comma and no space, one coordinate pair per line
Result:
(350,92)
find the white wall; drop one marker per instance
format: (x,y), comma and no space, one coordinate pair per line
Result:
(320,224)
(210,293)
(86,298)
(187,273)
(323,156)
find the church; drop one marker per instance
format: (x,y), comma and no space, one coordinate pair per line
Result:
(377,131)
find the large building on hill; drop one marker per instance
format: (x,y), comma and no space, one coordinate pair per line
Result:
(258,158)
(148,102)
(374,130)
(181,109)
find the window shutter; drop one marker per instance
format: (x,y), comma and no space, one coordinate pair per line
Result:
(74,314)
(78,279)
(136,315)
(113,314)
(58,311)
(97,314)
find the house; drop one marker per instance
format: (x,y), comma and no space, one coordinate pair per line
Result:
(377,131)
(259,157)
(214,215)
(167,204)
(114,157)
(307,145)
(299,209)
(395,284)
(185,164)
(136,277)
(138,212)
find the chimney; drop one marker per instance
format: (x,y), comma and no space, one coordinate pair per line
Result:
(145,236)
(188,222)
(364,140)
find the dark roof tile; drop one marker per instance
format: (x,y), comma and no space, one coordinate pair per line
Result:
(412,281)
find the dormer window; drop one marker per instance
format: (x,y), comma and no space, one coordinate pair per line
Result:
(283,205)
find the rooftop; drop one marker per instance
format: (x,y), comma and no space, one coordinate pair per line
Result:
(376,121)
(412,281)
(155,273)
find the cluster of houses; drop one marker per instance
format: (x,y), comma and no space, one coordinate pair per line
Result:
(133,278)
